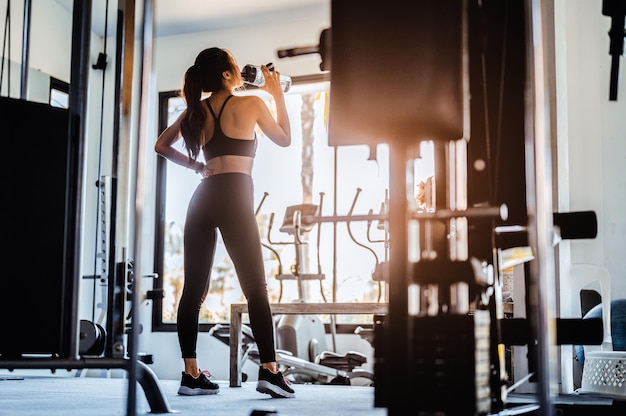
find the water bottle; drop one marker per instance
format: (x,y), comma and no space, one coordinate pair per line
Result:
(253,75)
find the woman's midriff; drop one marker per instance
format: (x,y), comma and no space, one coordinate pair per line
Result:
(230,164)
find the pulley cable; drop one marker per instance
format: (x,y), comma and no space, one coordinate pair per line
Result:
(100,238)
(493,161)
(483,67)
(492,177)
(6,40)
(505,32)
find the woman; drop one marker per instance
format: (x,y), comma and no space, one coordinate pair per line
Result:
(222,126)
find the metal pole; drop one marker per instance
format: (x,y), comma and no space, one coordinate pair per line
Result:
(81,31)
(25,49)
(146,73)
(542,279)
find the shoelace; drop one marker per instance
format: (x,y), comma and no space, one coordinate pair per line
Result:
(206,373)
(287,382)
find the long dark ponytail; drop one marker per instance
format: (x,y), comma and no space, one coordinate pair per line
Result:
(205,75)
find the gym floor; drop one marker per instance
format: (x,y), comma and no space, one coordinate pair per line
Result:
(60,395)
(90,396)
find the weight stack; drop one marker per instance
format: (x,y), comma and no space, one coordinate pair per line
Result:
(399,72)
(450,363)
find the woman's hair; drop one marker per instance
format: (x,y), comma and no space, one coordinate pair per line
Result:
(205,75)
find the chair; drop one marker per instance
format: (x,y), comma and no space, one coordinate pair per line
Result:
(581,276)
(604,370)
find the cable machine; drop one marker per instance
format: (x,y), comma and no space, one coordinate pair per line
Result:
(473,82)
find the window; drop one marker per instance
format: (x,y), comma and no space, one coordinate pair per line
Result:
(309,171)
(59,93)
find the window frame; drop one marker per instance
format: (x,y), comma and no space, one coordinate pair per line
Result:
(158,325)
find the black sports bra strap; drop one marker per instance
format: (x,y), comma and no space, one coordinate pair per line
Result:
(219,116)
(208,104)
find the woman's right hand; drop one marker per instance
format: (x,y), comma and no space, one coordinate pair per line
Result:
(206,172)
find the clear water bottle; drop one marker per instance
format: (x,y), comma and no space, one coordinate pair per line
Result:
(253,75)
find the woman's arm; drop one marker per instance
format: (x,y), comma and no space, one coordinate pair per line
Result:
(279,130)
(165,147)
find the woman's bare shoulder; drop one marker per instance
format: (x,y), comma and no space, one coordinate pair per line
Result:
(247,99)
(248,102)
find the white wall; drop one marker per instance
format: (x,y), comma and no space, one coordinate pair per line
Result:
(591,151)
(38,83)
(593,131)
(50,37)
(255,45)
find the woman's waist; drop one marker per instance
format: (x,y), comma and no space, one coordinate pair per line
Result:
(230,164)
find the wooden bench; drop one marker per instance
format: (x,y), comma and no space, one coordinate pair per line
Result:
(238,309)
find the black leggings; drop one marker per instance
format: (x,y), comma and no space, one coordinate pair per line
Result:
(224,201)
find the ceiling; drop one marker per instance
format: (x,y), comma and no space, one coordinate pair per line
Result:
(174,17)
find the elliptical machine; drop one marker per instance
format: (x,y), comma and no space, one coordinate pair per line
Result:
(304,335)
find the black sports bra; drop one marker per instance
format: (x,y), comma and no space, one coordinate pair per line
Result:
(220,144)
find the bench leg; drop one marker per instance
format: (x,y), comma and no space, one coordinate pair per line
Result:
(235,348)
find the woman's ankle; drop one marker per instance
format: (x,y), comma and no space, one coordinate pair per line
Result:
(191,367)
(273,367)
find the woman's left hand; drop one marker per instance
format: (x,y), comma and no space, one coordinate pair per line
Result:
(272,81)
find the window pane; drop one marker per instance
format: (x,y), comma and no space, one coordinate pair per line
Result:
(59,99)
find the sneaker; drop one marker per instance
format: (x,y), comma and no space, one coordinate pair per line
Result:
(276,385)
(190,386)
